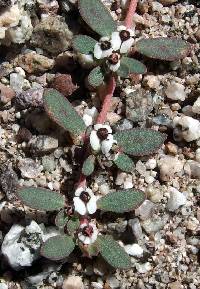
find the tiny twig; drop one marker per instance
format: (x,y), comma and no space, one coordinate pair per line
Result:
(131,10)
(107,100)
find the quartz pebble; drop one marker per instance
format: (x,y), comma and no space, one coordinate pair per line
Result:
(169,166)
(134,250)
(196,106)
(6,93)
(175,200)
(145,210)
(29,168)
(176,91)
(187,127)
(73,282)
(43,144)
(30,98)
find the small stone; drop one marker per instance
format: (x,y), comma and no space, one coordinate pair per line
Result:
(23,135)
(6,94)
(152,80)
(8,181)
(143,268)
(194,169)
(168,2)
(34,63)
(154,194)
(3,285)
(9,17)
(154,224)
(197,155)
(169,167)
(29,168)
(187,128)
(151,164)
(48,163)
(112,282)
(52,34)
(145,210)
(30,98)
(63,83)
(175,200)
(175,285)
(43,144)
(134,250)
(176,91)
(73,282)
(196,106)
(171,148)
(136,228)
(16,82)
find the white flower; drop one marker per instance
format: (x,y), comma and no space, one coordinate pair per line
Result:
(101,138)
(122,39)
(88,233)
(103,48)
(113,61)
(85,201)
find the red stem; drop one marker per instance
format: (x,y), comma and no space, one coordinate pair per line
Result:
(107,100)
(131,10)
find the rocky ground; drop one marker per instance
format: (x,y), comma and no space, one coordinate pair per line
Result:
(162,236)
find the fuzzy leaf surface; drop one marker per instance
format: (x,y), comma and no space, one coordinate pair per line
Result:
(57,247)
(121,201)
(113,253)
(88,166)
(63,113)
(61,219)
(124,163)
(41,199)
(97,16)
(84,44)
(139,142)
(163,48)
(129,65)
(72,225)
(96,77)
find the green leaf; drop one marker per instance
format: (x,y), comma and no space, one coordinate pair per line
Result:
(41,199)
(72,225)
(139,142)
(113,253)
(96,77)
(63,113)
(88,166)
(130,65)
(97,16)
(169,49)
(124,163)
(57,247)
(84,44)
(61,219)
(121,201)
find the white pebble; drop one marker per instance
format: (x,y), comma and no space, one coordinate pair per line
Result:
(190,127)
(134,250)
(196,106)
(176,91)
(175,200)
(151,164)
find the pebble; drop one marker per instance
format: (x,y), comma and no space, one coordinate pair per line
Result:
(196,106)
(175,285)
(136,228)
(176,91)
(146,210)
(151,164)
(6,94)
(186,127)
(134,250)
(169,166)
(8,181)
(43,144)
(143,268)
(176,200)
(113,282)
(154,194)
(3,286)
(29,168)
(34,63)
(29,98)
(48,163)
(73,282)
(154,224)
(63,83)
(16,82)
(194,169)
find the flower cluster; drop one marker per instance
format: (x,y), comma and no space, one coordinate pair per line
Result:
(101,139)
(111,48)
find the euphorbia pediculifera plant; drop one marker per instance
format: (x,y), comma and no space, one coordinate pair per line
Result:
(76,219)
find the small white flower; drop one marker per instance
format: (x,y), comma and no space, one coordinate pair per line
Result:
(122,39)
(101,138)
(88,233)
(103,48)
(85,201)
(113,61)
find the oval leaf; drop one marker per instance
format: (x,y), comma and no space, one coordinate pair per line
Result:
(113,253)
(163,48)
(124,163)
(57,247)
(97,16)
(88,166)
(61,219)
(121,201)
(84,44)
(129,65)
(96,77)
(62,112)
(139,142)
(41,199)
(73,225)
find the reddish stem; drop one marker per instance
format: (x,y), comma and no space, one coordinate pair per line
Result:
(107,100)
(131,10)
